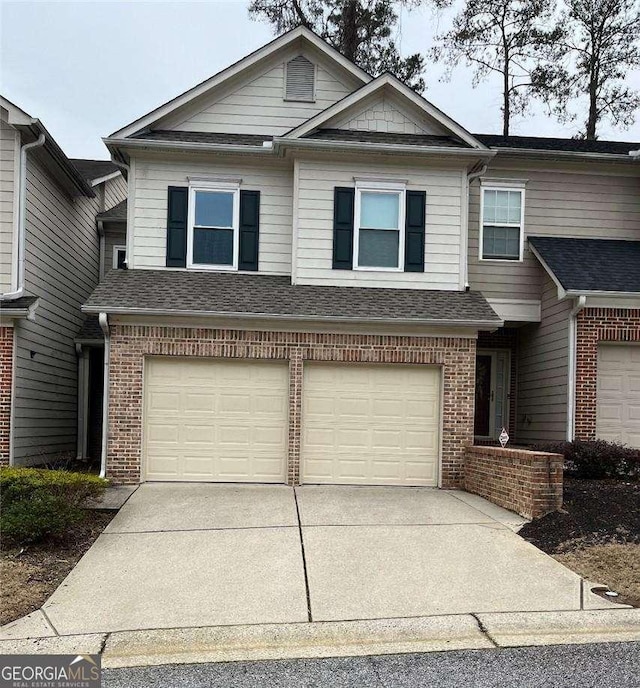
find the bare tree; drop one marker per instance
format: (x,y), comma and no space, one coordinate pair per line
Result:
(508,38)
(362,30)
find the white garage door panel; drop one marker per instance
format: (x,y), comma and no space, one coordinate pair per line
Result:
(618,394)
(370,424)
(215,420)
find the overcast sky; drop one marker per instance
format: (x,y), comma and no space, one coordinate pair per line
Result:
(88,68)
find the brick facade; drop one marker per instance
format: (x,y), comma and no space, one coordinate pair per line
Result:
(6,377)
(597,325)
(529,483)
(131,343)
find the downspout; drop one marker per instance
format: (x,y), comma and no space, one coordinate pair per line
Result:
(581,302)
(104,324)
(22,216)
(470,177)
(102,248)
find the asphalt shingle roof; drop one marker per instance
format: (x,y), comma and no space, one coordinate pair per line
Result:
(554,144)
(90,330)
(275,296)
(94,169)
(118,212)
(17,304)
(385,137)
(203,137)
(592,264)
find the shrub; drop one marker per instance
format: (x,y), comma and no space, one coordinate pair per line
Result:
(597,459)
(39,503)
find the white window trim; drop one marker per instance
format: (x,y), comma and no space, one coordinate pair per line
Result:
(380,187)
(214,186)
(114,259)
(521,190)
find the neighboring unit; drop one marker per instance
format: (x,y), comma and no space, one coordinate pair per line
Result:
(49,264)
(300,242)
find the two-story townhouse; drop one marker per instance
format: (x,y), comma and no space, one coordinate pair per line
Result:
(49,255)
(296,304)
(554,245)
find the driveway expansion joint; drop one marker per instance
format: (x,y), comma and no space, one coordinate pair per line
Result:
(304,560)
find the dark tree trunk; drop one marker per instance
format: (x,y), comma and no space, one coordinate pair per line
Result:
(592,120)
(350,29)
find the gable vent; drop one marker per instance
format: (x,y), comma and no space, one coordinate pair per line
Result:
(300,75)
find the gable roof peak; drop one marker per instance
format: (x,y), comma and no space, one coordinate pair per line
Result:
(285,40)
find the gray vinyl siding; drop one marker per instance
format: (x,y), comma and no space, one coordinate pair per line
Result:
(445,189)
(112,238)
(9,162)
(572,203)
(543,360)
(274,180)
(61,269)
(256,104)
(115,191)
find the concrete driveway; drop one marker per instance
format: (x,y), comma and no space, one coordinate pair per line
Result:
(183,555)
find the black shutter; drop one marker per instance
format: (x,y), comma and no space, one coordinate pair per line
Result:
(343,198)
(177,227)
(249,230)
(414,231)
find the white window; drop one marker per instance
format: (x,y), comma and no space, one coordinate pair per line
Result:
(502,223)
(300,80)
(119,257)
(212,237)
(379,228)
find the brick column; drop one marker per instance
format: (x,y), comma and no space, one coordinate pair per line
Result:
(6,380)
(295,415)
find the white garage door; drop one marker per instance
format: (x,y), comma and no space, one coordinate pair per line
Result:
(370,424)
(618,395)
(215,420)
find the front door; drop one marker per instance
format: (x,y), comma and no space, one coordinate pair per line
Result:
(482,419)
(492,393)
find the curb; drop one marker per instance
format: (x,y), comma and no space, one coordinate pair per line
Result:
(293,641)
(121,649)
(559,628)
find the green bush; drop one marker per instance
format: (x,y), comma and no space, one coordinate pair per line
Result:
(597,459)
(38,503)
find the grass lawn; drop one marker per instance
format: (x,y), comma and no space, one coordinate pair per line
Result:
(597,534)
(30,576)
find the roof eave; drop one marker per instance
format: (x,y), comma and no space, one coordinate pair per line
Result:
(603,294)
(320,144)
(92,309)
(118,145)
(563,155)
(62,162)
(105,178)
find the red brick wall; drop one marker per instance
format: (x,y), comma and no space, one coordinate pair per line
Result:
(6,375)
(597,325)
(529,483)
(131,343)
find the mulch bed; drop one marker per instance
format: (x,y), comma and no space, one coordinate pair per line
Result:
(30,576)
(597,533)
(595,512)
